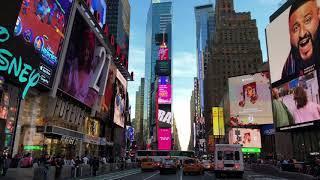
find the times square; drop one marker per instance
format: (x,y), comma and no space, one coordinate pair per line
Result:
(159,89)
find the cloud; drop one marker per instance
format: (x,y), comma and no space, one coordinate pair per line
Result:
(184,64)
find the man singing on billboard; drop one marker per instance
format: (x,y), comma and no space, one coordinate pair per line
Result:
(304,37)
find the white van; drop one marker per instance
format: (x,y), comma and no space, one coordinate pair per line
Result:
(228,160)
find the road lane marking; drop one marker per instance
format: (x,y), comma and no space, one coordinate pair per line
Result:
(208,174)
(151,176)
(120,176)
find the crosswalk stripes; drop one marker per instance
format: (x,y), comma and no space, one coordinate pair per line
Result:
(263,177)
(115,175)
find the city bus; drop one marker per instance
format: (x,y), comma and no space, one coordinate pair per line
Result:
(158,155)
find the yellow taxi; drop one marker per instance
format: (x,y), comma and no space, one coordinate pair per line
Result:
(148,164)
(192,166)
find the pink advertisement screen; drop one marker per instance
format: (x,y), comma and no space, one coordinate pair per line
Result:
(164,139)
(163,54)
(164,90)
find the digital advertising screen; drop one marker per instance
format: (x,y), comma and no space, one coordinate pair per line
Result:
(293,50)
(42,24)
(165,115)
(246,137)
(218,121)
(296,101)
(163,53)
(108,93)
(164,90)
(250,100)
(164,139)
(99,9)
(80,63)
(120,100)
(161,38)
(163,68)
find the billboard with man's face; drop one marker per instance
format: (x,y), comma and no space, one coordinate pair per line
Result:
(294,54)
(250,100)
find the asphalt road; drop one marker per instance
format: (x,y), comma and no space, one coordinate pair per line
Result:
(137,174)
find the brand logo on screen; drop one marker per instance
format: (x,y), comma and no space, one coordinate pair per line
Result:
(164,116)
(164,138)
(15,66)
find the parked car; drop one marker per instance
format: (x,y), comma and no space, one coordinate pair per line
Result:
(192,166)
(168,165)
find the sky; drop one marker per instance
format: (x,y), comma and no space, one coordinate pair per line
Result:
(184,50)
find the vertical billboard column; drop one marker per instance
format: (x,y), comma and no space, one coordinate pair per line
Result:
(218,121)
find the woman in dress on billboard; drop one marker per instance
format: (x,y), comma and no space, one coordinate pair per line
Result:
(306,110)
(77,75)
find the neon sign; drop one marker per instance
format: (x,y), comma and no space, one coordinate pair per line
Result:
(14,66)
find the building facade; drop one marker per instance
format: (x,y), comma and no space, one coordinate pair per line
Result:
(73,104)
(234,50)
(138,125)
(158,30)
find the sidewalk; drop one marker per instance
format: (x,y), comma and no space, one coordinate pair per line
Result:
(270,169)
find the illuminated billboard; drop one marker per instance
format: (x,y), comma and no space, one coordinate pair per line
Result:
(218,121)
(42,24)
(99,9)
(108,93)
(164,139)
(293,50)
(247,137)
(296,101)
(120,100)
(163,53)
(250,100)
(164,90)
(163,68)
(80,64)
(165,115)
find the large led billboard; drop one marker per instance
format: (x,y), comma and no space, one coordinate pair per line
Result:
(164,90)
(164,139)
(293,50)
(246,137)
(250,100)
(108,93)
(218,121)
(296,101)
(163,68)
(80,64)
(42,24)
(165,115)
(120,100)
(99,9)
(163,53)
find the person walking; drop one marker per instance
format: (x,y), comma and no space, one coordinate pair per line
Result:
(59,165)
(6,164)
(95,165)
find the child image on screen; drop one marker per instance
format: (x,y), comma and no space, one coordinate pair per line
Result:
(249,94)
(246,139)
(119,106)
(306,110)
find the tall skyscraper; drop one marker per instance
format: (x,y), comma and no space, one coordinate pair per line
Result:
(234,50)
(192,117)
(204,29)
(138,125)
(158,31)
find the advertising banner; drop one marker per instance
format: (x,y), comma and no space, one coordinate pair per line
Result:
(108,93)
(163,68)
(164,139)
(120,100)
(268,129)
(218,121)
(81,64)
(99,9)
(130,133)
(42,24)
(164,90)
(296,101)
(293,48)
(165,116)
(250,100)
(246,137)
(163,53)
